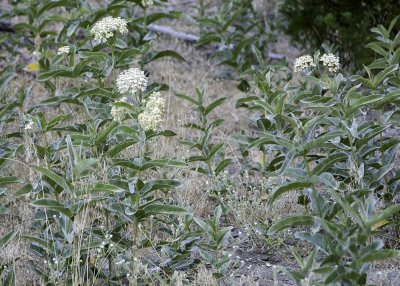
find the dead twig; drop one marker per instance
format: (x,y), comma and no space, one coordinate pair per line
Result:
(193,38)
(169,31)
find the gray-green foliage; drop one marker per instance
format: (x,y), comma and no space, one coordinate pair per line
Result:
(85,167)
(211,154)
(335,140)
(239,30)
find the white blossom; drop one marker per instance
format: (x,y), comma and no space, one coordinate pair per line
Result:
(106,27)
(155,103)
(63,50)
(118,112)
(151,118)
(150,121)
(331,61)
(303,62)
(147,3)
(131,81)
(30,125)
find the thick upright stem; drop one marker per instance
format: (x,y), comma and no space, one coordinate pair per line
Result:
(314,191)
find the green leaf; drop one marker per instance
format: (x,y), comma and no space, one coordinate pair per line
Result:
(280,102)
(187,98)
(47,5)
(242,45)
(286,163)
(23,190)
(5,80)
(104,188)
(164,209)
(214,150)
(72,156)
(222,236)
(382,75)
(102,135)
(267,107)
(377,48)
(382,172)
(310,260)
(311,124)
(208,38)
(166,133)
(160,15)
(214,105)
(289,187)
(84,165)
(380,254)
(43,243)
(266,139)
(65,72)
(120,147)
(152,56)
(9,278)
(95,56)
(289,222)
(162,163)
(242,102)
(72,26)
(128,53)
(56,100)
(317,142)
(319,240)
(388,212)
(5,239)
(159,185)
(326,163)
(361,103)
(4,210)
(388,98)
(9,181)
(347,207)
(103,92)
(58,119)
(52,205)
(53,176)
(204,226)
(222,165)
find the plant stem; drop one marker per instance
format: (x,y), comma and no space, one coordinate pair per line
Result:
(145,18)
(113,62)
(109,256)
(314,191)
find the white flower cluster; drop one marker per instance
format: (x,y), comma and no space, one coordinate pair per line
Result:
(63,50)
(151,118)
(147,3)
(118,112)
(131,81)
(30,126)
(303,62)
(106,27)
(331,61)
(155,102)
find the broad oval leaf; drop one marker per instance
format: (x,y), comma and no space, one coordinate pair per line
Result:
(289,222)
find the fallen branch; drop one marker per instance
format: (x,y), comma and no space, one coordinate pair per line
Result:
(193,38)
(169,31)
